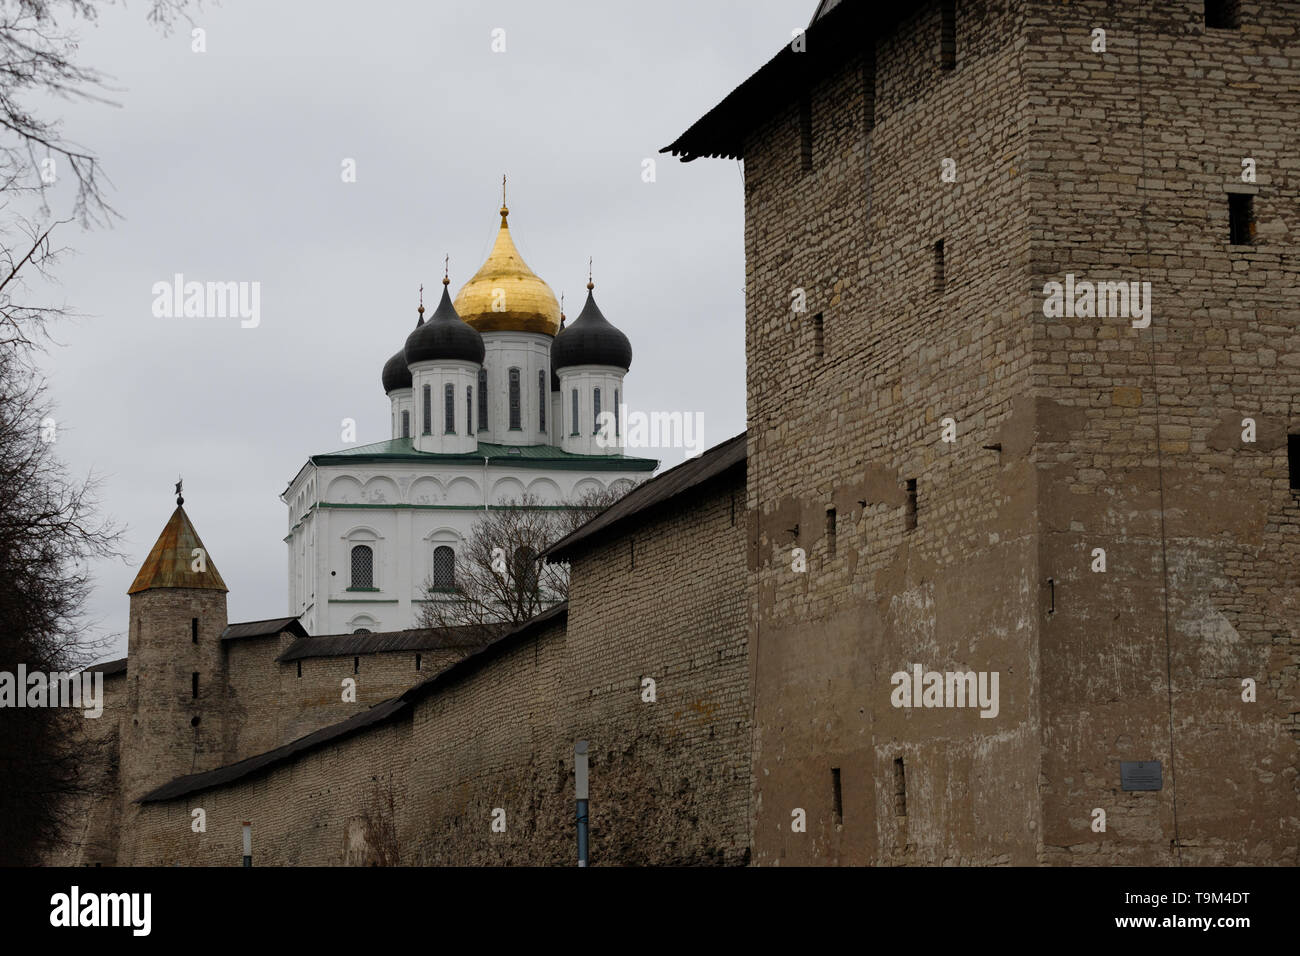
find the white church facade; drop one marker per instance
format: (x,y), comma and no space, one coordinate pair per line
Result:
(492,398)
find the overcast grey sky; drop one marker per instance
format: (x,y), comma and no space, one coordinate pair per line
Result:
(226,165)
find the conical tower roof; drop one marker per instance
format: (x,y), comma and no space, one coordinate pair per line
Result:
(529,304)
(170,563)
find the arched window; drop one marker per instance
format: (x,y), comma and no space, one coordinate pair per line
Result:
(469,409)
(362,630)
(406,423)
(595,411)
(428,409)
(525,569)
(515,416)
(363,567)
(444,568)
(618,413)
(575,413)
(482,400)
(541,399)
(449,409)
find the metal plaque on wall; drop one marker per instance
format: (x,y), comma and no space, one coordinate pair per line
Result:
(1140,775)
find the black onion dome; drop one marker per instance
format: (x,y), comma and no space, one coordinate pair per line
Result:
(591,340)
(396,375)
(444,336)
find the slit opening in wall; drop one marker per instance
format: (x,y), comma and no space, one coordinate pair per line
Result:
(909,518)
(837,797)
(869,90)
(900,788)
(194,630)
(939,278)
(819,336)
(830,535)
(417,662)
(805,132)
(1293,460)
(1223,14)
(300,668)
(356,665)
(1241,219)
(194,685)
(948,34)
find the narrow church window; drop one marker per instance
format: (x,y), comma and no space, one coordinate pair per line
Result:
(938,266)
(541,399)
(575,412)
(805,132)
(515,415)
(1241,218)
(837,796)
(618,415)
(900,788)
(444,568)
(869,90)
(819,336)
(1223,14)
(482,400)
(469,409)
(194,685)
(428,409)
(363,567)
(830,531)
(948,34)
(595,411)
(194,630)
(909,523)
(1293,460)
(406,423)
(449,409)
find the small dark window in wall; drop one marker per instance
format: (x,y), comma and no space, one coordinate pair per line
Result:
(194,630)
(948,34)
(837,796)
(194,721)
(631,550)
(819,336)
(356,665)
(417,662)
(805,133)
(1223,14)
(830,536)
(1293,459)
(900,788)
(938,266)
(910,517)
(194,685)
(300,668)
(1241,218)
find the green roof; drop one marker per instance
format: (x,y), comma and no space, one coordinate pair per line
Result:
(524,456)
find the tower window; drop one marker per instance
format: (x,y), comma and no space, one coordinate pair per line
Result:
(428,409)
(595,411)
(469,409)
(363,567)
(1241,218)
(837,796)
(194,685)
(909,519)
(444,568)
(406,423)
(515,412)
(417,662)
(805,133)
(541,399)
(819,336)
(948,34)
(482,400)
(356,661)
(938,266)
(830,530)
(575,412)
(618,415)
(1293,460)
(449,409)
(900,788)
(1223,14)
(194,630)
(300,668)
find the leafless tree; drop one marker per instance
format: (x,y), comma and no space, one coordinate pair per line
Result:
(499,579)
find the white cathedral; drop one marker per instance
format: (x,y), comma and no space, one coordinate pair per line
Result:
(492,398)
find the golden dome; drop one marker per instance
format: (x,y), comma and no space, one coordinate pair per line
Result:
(507,296)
